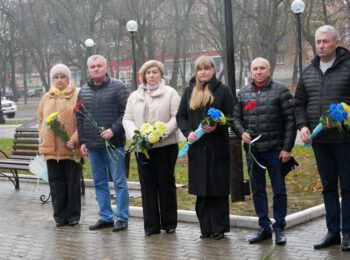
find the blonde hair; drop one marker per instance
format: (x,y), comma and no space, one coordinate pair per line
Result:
(201,95)
(150,64)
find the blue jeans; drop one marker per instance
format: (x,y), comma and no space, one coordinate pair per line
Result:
(101,165)
(271,161)
(333,163)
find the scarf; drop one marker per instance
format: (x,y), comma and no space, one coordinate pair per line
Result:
(151,87)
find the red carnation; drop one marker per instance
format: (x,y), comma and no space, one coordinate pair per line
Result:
(80,102)
(250,106)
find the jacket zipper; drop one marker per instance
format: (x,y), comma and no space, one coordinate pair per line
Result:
(257,115)
(56,150)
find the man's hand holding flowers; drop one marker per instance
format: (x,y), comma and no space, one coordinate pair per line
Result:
(107,134)
(338,115)
(246,138)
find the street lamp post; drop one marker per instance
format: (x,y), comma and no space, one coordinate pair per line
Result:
(2,118)
(236,165)
(298,7)
(132,27)
(89,43)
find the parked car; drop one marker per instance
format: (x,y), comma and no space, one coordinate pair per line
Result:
(35,92)
(31,93)
(9,108)
(9,95)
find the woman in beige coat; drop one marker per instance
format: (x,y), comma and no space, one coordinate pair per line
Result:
(64,173)
(155,101)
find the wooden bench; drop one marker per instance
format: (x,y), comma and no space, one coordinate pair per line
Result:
(25,147)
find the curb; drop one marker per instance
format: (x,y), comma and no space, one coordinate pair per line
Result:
(243,221)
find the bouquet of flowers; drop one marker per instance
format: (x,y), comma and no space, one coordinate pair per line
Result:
(149,134)
(338,115)
(214,116)
(53,122)
(81,109)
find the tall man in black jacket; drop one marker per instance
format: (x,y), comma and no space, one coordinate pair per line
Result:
(273,119)
(105,99)
(327,80)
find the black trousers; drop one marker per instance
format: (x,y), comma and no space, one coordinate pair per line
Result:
(213,214)
(158,189)
(64,181)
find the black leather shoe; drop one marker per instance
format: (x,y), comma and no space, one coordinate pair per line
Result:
(101,224)
(150,233)
(345,245)
(170,231)
(73,223)
(120,225)
(205,235)
(329,240)
(61,224)
(263,234)
(218,236)
(280,238)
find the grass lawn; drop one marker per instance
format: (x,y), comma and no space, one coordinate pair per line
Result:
(14,121)
(303,184)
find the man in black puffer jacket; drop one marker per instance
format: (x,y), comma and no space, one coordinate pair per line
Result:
(325,81)
(105,100)
(271,116)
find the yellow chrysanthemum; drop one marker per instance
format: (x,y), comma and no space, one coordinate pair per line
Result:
(347,109)
(153,138)
(222,119)
(160,128)
(51,117)
(146,128)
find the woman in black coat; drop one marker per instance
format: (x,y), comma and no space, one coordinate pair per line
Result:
(209,157)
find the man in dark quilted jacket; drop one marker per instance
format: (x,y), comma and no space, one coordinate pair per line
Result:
(325,81)
(265,108)
(102,137)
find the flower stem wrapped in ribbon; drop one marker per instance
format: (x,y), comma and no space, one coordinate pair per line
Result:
(338,115)
(214,116)
(53,122)
(149,134)
(110,148)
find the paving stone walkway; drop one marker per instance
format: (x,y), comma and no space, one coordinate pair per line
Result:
(27,231)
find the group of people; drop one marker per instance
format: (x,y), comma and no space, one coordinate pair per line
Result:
(274,118)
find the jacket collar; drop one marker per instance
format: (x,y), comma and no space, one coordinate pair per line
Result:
(104,83)
(156,93)
(342,54)
(268,84)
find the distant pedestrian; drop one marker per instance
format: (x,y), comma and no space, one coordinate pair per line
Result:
(105,99)
(272,117)
(155,101)
(325,81)
(209,157)
(64,173)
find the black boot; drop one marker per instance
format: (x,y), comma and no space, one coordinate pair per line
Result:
(329,240)
(345,245)
(280,238)
(263,234)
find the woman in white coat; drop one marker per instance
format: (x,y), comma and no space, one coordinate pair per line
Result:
(155,101)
